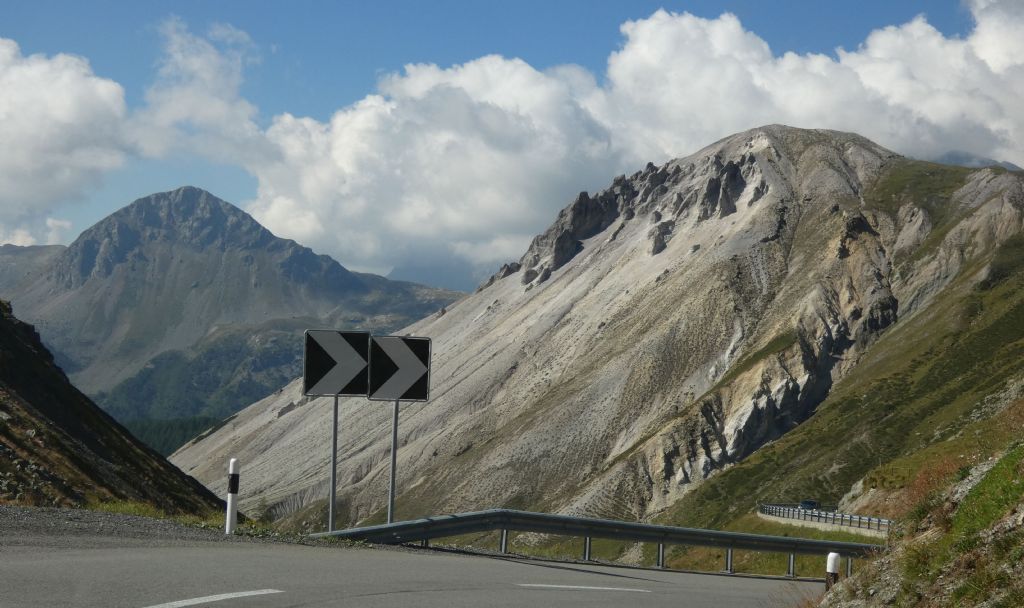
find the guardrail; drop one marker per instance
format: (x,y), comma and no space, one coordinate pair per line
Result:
(795,505)
(504,520)
(826,517)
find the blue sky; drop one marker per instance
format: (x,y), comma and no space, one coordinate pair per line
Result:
(312,59)
(318,56)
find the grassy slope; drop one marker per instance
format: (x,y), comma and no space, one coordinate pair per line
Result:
(953,552)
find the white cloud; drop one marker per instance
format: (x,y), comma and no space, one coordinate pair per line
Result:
(470,161)
(997,38)
(681,81)
(56,230)
(16,236)
(61,129)
(194,106)
(53,231)
(455,161)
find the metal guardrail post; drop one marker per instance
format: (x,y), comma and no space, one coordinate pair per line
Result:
(728,561)
(792,566)
(661,555)
(504,540)
(586,549)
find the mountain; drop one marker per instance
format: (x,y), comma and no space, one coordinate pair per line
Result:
(966,159)
(19,264)
(182,305)
(698,336)
(58,449)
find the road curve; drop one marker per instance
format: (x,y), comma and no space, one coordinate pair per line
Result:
(103,570)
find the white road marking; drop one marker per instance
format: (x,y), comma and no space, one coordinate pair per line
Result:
(580,587)
(215,598)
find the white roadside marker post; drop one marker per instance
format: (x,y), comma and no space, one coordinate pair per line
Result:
(831,570)
(231,517)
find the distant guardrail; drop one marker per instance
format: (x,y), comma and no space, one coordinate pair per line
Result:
(505,520)
(793,511)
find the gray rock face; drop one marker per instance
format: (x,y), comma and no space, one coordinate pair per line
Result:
(505,270)
(581,220)
(660,235)
(624,379)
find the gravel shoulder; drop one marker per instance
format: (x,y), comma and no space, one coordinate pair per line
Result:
(81,529)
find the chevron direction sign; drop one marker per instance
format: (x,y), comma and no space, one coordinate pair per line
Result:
(336,363)
(399,369)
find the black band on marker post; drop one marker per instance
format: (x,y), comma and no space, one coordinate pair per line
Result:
(233,484)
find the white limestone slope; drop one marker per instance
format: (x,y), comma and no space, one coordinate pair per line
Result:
(657,332)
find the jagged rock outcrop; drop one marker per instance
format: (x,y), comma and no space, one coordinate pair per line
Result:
(605,380)
(581,220)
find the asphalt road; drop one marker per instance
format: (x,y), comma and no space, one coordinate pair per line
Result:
(51,558)
(133,573)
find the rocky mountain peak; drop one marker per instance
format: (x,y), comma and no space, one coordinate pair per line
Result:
(193,216)
(730,175)
(189,219)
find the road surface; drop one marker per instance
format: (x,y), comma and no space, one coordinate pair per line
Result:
(84,570)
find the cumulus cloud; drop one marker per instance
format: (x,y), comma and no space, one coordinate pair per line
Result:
(16,236)
(681,81)
(62,129)
(56,230)
(464,164)
(194,106)
(465,161)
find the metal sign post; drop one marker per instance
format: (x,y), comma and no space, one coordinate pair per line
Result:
(394,458)
(399,371)
(335,363)
(334,467)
